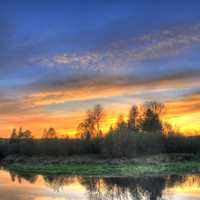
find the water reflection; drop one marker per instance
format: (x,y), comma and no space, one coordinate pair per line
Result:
(18,177)
(95,188)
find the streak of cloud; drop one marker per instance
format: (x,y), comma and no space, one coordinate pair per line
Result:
(154,46)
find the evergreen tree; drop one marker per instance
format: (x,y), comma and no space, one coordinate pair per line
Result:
(151,122)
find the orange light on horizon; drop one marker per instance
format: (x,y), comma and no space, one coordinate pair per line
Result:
(66,124)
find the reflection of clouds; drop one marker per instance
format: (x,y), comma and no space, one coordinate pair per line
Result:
(23,190)
(188,189)
(39,190)
(49,198)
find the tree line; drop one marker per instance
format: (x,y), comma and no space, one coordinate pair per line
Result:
(147,118)
(143,133)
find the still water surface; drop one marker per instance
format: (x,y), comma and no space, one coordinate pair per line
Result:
(30,187)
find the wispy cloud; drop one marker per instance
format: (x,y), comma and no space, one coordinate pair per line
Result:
(33,98)
(97,75)
(184,112)
(164,43)
(103,86)
(186,104)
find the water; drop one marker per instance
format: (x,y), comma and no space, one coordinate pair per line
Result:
(15,186)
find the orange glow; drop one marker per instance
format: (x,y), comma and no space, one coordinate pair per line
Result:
(182,113)
(190,186)
(188,124)
(66,124)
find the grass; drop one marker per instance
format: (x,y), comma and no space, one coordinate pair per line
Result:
(110,170)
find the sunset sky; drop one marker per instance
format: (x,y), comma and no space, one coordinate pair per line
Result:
(60,58)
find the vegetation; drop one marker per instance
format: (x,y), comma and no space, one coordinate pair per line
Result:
(144,133)
(110,170)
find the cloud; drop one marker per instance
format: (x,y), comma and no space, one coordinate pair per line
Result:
(83,88)
(34,98)
(9,106)
(97,75)
(26,54)
(186,104)
(120,54)
(184,112)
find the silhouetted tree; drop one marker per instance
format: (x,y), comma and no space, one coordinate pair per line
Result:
(24,134)
(132,120)
(156,107)
(151,117)
(90,127)
(168,129)
(121,124)
(13,136)
(151,122)
(84,130)
(98,115)
(118,142)
(50,134)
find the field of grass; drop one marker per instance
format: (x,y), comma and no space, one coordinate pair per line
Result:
(110,170)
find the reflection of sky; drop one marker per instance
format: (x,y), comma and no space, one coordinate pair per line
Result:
(59,59)
(189,189)
(71,188)
(38,191)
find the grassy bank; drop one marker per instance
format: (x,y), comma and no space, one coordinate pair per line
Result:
(110,170)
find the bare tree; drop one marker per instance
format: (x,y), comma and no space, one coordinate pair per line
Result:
(90,127)
(50,134)
(156,107)
(132,121)
(98,115)
(24,134)
(14,134)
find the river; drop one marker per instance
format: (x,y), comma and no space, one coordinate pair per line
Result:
(15,186)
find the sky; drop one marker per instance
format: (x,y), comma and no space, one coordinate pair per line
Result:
(60,58)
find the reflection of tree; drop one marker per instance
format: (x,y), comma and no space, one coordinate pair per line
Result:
(137,188)
(58,182)
(175,180)
(19,177)
(93,186)
(150,187)
(123,188)
(126,188)
(188,181)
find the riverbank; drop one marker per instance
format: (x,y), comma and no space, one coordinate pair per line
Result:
(155,165)
(135,170)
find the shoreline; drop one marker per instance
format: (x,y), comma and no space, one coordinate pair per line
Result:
(156,165)
(108,170)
